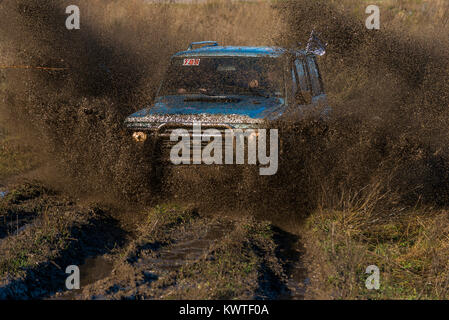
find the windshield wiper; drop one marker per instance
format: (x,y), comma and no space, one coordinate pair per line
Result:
(258,92)
(251,91)
(206,93)
(243,91)
(206,98)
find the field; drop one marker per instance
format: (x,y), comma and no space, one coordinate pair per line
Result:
(374,191)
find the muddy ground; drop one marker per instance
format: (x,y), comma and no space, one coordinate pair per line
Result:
(170,251)
(74,190)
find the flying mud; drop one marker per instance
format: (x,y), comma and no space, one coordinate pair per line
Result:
(200,233)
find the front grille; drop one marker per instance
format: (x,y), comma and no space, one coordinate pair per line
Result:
(166,145)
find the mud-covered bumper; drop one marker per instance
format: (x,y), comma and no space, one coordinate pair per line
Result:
(159,123)
(155,131)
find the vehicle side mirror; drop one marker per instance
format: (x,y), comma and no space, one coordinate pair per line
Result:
(303,97)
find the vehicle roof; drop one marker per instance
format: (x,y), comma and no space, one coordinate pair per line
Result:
(220,51)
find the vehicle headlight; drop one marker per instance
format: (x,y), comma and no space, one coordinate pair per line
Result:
(140,136)
(253,136)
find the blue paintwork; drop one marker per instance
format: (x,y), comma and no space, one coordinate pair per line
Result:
(252,106)
(233,51)
(204,43)
(3,193)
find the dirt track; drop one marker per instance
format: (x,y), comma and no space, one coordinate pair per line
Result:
(386,162)
(152,253)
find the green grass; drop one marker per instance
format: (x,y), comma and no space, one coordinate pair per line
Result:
(170,215)
(234,265)
(411,252)
(15,157)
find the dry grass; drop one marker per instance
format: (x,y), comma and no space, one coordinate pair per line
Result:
(379,182)
(409,247)
(371,184)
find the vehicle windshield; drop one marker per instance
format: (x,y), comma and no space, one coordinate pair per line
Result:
(218,76)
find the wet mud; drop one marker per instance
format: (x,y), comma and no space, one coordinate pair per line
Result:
(388,89)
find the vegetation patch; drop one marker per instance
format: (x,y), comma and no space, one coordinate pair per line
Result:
(410,249)
(181,254)
(242,265)
(56,233)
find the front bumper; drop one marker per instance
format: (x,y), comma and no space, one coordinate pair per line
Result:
(158,123)
(158,129)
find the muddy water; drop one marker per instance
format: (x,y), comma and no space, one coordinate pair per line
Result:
(186,251)
(93,270)
(189,250)
(290,252)
(166,259)
(15,224)
(191,247)
(297,283)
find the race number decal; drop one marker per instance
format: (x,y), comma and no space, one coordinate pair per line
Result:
(191,62)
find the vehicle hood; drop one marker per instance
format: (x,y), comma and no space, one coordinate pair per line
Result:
(254,107)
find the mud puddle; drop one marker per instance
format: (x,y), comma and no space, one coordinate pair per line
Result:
(172,261)
(188,248)
(181,253)
(13,225)
(290,252)
(297,283)
(92,270)
(97,273)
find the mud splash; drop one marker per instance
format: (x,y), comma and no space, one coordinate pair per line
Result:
(389,90)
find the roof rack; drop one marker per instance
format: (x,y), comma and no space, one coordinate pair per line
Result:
(204,43)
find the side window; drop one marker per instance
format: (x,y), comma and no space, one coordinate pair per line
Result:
(315,79)
(294,82)
(302,76)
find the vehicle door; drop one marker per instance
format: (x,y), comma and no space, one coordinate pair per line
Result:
(316,82)
(310,96)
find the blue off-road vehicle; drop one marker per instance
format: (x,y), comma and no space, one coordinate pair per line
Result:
(228,87)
